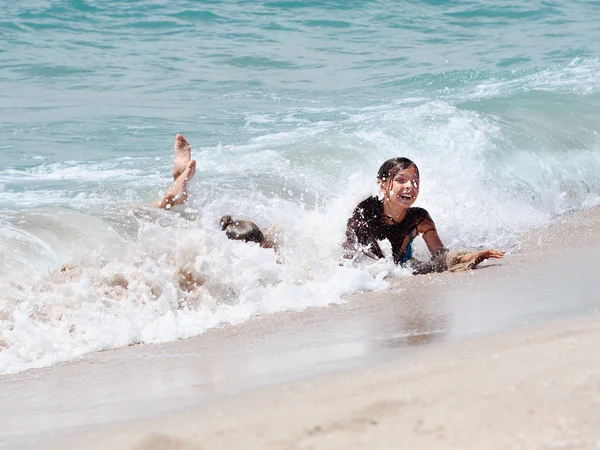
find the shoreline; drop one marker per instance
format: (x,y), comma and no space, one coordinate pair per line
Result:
(549,279)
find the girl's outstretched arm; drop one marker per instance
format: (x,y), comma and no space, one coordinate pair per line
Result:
(432,239)
(437,263)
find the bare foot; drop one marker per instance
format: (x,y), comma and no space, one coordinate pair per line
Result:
(183,154)
(178,192)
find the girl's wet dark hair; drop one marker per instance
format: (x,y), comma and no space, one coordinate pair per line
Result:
(392,166)
(241,230)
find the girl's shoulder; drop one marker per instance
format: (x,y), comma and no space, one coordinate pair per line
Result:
(417,210)
(370,203)
(418,214)
(369,207)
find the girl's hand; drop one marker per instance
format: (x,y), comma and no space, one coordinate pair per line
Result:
(477,257)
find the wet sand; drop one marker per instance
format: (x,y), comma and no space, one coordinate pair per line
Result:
(430,362)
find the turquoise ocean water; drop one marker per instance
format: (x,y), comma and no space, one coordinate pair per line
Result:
(290,107)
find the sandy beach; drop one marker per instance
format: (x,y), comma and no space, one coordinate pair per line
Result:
(530,389)
(501,357)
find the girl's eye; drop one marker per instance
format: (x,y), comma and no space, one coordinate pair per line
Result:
(415,183)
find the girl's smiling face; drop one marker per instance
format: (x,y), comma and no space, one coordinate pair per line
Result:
(402,189)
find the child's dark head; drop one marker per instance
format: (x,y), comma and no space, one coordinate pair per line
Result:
(391,167)
(242,230)
(398,180)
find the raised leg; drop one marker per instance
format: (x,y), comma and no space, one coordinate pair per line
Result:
(183,155)
(177,194)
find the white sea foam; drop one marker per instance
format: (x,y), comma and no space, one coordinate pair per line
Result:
(580,76)
(167,283)
(76,171)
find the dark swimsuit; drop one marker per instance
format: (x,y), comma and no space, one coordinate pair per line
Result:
(366,227)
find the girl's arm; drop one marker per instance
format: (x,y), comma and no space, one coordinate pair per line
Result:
(437,263)
(361,230)
(431,238)
(359,237)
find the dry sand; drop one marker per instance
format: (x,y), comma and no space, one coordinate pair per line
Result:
(487,359)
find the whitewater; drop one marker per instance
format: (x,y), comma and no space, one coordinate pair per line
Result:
(290,108)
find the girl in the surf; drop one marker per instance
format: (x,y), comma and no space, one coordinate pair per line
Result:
(393,217)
